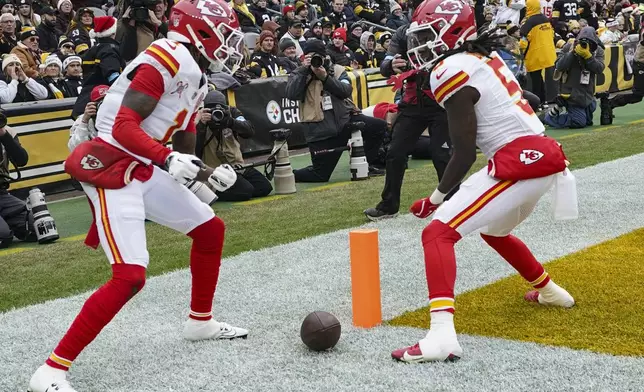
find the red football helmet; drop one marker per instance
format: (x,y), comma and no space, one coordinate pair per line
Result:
(212,27)
(438,26)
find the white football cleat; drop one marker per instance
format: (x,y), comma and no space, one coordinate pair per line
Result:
(551,295)
(440,344)
(48,379)
(202,330)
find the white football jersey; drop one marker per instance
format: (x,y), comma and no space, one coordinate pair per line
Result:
(185,88)
(546,7)
(502,114)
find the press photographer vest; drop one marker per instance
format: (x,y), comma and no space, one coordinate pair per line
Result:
(223,149)
(311,107)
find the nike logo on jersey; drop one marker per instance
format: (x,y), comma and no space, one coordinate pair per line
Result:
(529,157)
(440,74)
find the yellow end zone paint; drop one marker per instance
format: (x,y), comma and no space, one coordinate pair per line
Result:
(607,281)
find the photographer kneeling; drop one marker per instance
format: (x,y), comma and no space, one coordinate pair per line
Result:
(218,132)
(13,211)
(323,90)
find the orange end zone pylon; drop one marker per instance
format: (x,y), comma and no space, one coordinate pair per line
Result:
(365,278)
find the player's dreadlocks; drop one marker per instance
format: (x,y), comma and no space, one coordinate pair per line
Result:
(485,43)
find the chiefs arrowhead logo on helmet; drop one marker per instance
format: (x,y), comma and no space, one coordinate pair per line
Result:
(529,157)
(449,7)
(90,162)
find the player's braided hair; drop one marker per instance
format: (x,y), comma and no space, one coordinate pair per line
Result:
(485,43)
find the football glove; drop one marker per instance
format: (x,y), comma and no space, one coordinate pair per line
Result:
(223,177)
(183,167)
(423,208)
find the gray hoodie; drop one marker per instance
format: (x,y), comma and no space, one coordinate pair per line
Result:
(570,67)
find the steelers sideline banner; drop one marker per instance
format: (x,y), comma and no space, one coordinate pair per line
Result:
(264,104)
(43,127)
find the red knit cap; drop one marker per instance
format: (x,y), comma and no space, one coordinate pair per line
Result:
(340,32)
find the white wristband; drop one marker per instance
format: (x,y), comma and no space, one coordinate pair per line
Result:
(437,197)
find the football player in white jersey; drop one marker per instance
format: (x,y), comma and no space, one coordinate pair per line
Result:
(485,108)
(155,100)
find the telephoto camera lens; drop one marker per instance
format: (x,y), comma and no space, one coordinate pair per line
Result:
(218,114)
(317,61)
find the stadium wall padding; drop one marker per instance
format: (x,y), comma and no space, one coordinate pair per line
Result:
(43,127)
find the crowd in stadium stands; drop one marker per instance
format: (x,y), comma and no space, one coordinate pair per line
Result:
(43,43)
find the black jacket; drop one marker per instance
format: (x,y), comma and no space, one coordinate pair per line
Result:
(342,56)
(398,45)
(10,148)
(74,85)
(338,89)
(100,64)
(48,38)
(264,65)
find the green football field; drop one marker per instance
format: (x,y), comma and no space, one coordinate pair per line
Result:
(70,267)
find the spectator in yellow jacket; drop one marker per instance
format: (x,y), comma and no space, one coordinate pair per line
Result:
(537,45)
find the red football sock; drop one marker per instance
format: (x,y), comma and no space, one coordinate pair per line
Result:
(99,309)
(440,265)
(515,252)
(205,259)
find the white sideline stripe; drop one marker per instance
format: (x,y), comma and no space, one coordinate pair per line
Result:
(42,126)
(378,83)
(271,290)
(41,170)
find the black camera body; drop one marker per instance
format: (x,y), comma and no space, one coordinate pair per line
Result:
(219,115)
(139,9)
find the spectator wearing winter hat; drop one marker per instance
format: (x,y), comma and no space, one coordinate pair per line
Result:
(288,15)
(302,14)
(65,47)
(79,28)
(288,57)
(397,18)
(29,52)
(52,78)
(264,62)
(15,85)
(73,71)
(353,36)
(7,6)
(327,30)
(64,16)
(46,30)
(26,15)
(102,63)
(339,52)
(294,33)
(315,30)
(9,38)
(383,39)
